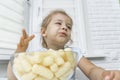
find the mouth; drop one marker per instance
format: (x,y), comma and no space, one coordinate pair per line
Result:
(63,34)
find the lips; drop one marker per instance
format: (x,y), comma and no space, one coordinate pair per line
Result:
(63,34)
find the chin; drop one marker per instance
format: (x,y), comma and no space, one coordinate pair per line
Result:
(62,41)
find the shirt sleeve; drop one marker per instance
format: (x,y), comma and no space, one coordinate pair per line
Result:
(78,52)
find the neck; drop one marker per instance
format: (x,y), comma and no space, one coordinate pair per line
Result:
(55,47)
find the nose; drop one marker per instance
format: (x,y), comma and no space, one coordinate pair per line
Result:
(64,28)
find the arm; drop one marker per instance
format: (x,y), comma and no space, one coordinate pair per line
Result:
(10,74)
(89,69)
(94,72)
(21,47)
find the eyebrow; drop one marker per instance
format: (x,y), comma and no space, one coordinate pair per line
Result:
(62,20)
(58,20)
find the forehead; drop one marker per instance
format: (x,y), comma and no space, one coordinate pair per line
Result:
(60,17)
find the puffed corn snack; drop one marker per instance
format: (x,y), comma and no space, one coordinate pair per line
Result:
(45,65)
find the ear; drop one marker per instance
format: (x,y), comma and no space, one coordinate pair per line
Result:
(43,32)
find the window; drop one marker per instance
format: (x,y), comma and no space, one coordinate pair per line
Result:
(96,24)
(12,21)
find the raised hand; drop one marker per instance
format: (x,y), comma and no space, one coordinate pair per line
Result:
(24,41)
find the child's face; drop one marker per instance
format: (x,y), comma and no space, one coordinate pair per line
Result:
(58,30)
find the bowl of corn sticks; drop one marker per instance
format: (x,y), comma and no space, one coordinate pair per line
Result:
(44,65)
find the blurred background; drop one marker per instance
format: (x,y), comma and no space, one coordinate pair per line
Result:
(96,29)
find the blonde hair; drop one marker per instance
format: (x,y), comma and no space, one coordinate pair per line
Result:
(47,20)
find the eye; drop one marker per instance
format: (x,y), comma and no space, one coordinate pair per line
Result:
(69,27)
(58,23)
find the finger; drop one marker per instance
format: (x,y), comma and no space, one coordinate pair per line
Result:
(106,73)
(109,75)
(31,37)
(26,41)
(25,35)
(116,75)
(107,78)
(21,43)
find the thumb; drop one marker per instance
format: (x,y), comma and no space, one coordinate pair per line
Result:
(107,78)
(108,75)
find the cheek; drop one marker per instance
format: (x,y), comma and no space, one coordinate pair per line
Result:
(69,36)
(51,33)
(69,33)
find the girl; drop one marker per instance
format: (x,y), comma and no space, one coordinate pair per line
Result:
(56,32)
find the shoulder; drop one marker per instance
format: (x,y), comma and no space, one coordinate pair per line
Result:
(75,49)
